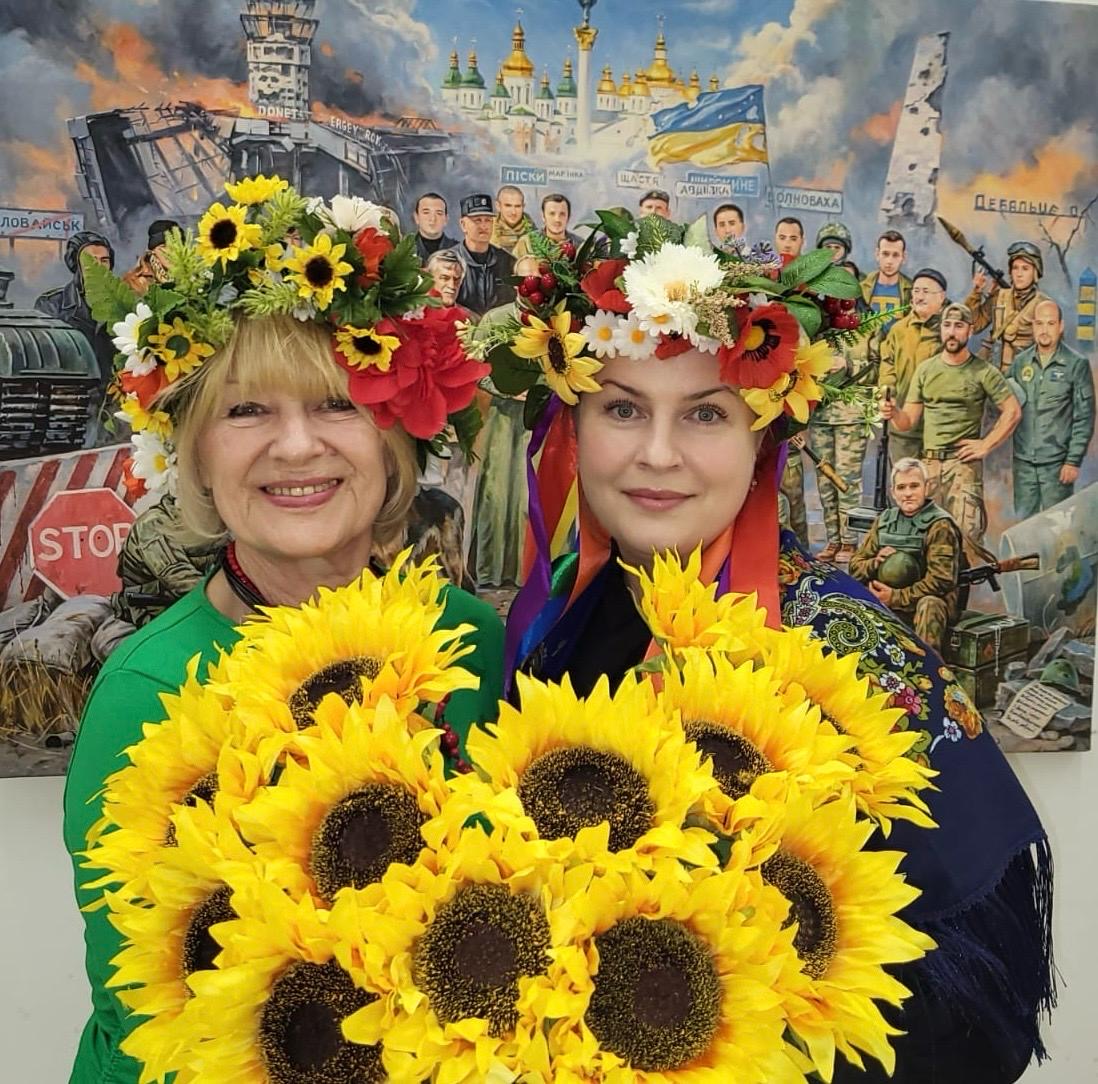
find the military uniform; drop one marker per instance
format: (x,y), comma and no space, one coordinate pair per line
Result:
(930,604)
(909,342)
(794,515)
(869,292)
(838,436)
(506,237)
(953,399)
(1056,427)
(156,568)
(483,287)
(1009,313)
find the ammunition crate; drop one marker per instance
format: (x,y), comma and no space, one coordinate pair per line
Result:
(978,639)
(980,683)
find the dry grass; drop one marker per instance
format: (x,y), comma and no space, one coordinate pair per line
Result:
(36,700)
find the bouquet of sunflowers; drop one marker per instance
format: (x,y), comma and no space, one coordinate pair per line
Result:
(668,881)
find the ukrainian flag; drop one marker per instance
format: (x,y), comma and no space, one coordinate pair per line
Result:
(719,128)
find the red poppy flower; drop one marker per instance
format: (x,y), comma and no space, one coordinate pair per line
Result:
(599,286)
(135,487)
(429,376)
(373,246)
(672,345)
(765,349)
(146,387)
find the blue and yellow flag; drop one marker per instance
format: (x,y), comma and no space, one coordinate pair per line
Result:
(720,128)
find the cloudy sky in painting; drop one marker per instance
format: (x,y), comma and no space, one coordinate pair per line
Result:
(1017,107)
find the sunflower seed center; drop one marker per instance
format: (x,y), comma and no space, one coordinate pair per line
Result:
(365,344)
(223,233)
(736,761)
(199,948)
(319,272)
(362,835)
(300,1037)
(558,359)
(202,791)
(576,787)
(343,677)
(657,997)
(810,906)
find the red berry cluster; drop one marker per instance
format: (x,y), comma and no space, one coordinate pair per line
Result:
(842,312)
(537,289)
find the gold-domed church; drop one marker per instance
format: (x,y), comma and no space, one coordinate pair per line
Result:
(526,111)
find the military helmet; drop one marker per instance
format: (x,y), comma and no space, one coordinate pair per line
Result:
(1028,251)
(900,569)
(1061,673)
(82,240)
(835,231)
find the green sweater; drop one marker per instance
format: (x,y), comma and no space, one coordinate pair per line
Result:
(127,694)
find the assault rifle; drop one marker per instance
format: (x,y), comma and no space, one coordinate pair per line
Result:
(989,573)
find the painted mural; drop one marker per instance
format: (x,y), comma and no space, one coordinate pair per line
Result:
(945,152)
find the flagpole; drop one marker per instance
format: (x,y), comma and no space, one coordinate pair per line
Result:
(770,199)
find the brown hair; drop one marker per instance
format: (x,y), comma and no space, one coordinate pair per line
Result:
(283,354)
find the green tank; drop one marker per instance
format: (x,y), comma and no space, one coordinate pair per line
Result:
(900,570)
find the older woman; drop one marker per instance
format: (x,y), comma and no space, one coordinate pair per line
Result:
(301,484)
(669,451)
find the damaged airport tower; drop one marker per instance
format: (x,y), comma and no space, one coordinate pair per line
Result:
(172,160)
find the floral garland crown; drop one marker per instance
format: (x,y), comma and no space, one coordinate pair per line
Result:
(654,288)
(271,252)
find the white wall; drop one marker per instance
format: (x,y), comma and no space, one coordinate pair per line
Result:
(44,1000)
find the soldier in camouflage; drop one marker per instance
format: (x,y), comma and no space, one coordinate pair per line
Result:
(911,557)
(837,434)
(1009,313)
(913,339)
(949,395)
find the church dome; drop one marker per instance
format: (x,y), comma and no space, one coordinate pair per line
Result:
(659,72)
(472,78)
(606,83)
(517,62)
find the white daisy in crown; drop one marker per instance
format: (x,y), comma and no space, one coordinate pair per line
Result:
(633,341)
(599,331)
(127,332)
(153,462)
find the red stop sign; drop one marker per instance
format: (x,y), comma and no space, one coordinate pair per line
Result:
(75,541)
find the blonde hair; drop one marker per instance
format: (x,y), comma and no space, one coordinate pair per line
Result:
(275,353)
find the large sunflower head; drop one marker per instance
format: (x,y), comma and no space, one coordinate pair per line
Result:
(842,906)
(559,351)
(224,233)
(683,612)
(318,270)
(886,781)
(363,347)
(272,1012)
(361,798)
(169,935)
(606,778)
(674,980)
(458,948)
(743,728)
(177,347)
(377,637)
(200,753)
